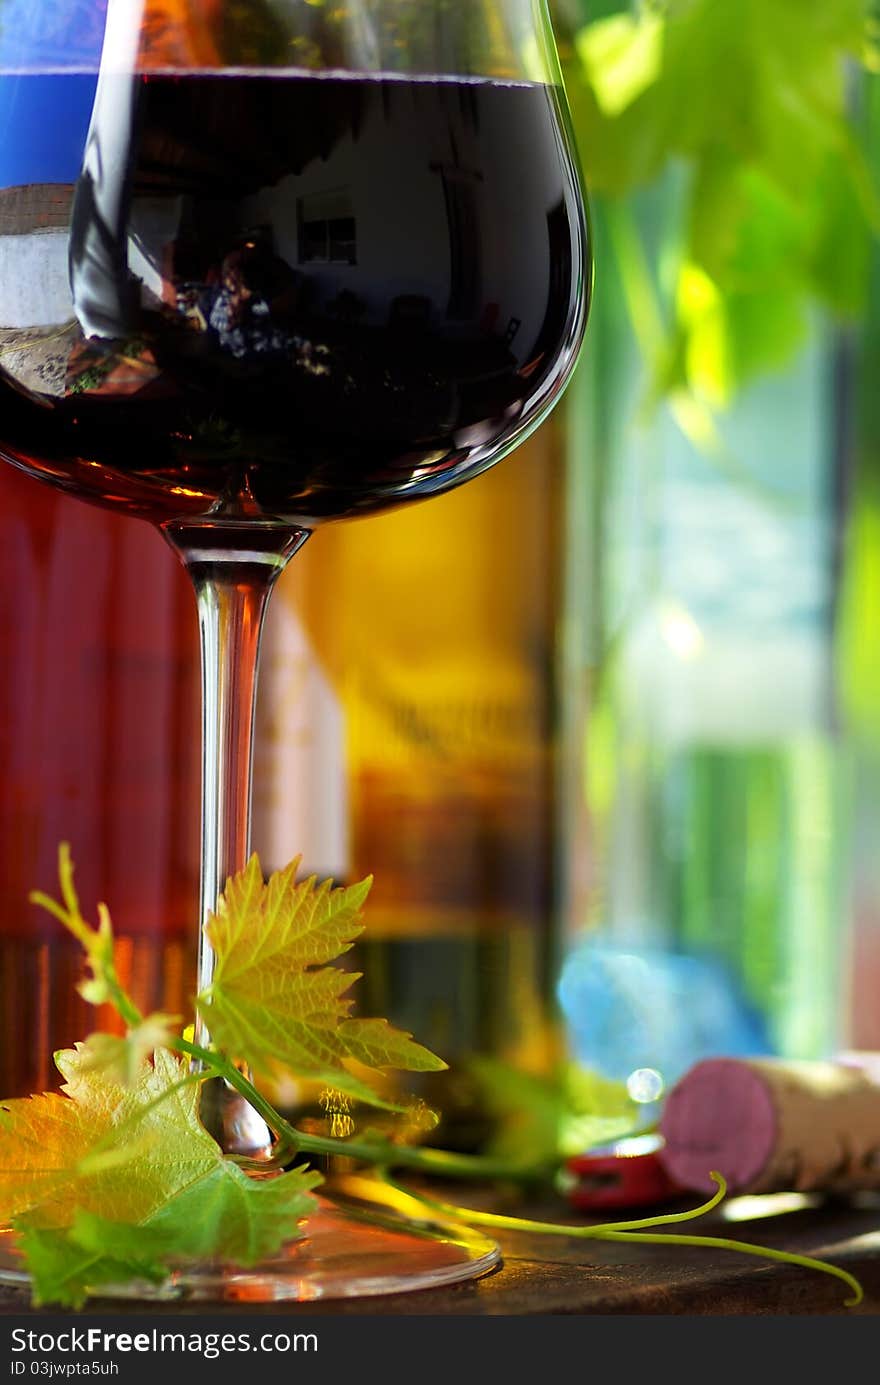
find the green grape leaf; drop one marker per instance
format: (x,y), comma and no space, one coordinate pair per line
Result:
(273,999)
(104,1178)
(235,1216)
(63,1271)
(53,1146)
(225,1215)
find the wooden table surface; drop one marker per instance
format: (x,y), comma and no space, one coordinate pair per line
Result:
(541,1275)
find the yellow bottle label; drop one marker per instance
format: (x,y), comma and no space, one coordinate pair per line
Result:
(435,629)
(300,804)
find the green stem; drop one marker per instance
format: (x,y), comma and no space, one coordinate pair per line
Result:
(785,1257)
(635,1232)
(375,1150)
(121,1000)
(596,1232)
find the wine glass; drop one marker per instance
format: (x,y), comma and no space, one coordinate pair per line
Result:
(263,266)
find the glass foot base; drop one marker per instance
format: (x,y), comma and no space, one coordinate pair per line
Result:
(368,1240)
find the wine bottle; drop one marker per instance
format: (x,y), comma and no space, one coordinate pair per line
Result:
(425,648)
(99,737)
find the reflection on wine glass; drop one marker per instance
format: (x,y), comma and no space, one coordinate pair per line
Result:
(265,269)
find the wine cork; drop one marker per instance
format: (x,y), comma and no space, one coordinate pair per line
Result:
(770,1125)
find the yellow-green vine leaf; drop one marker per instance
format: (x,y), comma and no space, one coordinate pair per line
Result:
(225,1215)
(121,1058)
(104,1176)
(274,1000)
(63,1272)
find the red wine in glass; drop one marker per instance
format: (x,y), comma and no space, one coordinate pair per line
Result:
(291,297)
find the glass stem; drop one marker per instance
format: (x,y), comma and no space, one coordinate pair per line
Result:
(233,568)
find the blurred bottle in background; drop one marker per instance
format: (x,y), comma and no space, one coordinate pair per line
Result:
(858,626)
(425,710)
(99,746)
(713,798)
(99,684)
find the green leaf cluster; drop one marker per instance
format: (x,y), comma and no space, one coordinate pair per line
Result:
(756,104)
(274,998)
(105,1182)
(115,1177)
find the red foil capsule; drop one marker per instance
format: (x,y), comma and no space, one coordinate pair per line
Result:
(627,1173)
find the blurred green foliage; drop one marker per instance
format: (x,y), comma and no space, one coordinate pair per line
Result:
(540,1119)
(858,624)
(756,105)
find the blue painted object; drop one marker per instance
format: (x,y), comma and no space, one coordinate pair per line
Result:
(630,1008)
